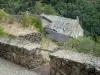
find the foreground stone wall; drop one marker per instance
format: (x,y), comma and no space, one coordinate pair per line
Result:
(33,37)
(73,63)
(21,52)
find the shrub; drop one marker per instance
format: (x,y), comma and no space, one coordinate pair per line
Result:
(3,33)
(28,21)
(98,39)
(37,23)
(85,45)
(25,21)
(73,43)
(40,8)
(3,15)
(96,50)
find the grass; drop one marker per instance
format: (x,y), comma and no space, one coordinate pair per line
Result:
(47,43)
(11,20)
(3,33)
(3,16)
(84,45)
(29,21)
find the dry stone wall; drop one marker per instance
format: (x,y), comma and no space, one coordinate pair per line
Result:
(73,63)
(33,37)
(21,52)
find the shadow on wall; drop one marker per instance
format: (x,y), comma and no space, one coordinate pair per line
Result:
(55,35)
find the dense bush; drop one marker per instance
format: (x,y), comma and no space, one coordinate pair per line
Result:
(73,43)
(25,21)
(3,33)
(85,45)
(28,21)
(37,23)
(3,16)
(40,8)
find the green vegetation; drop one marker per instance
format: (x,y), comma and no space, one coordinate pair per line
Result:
(28,21)
(3,16)
(85,45)
(34,6)
(37,23)
(25,21)
(3,33)
(40,8)
(87,10)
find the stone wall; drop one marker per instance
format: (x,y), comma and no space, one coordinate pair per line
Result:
(21,52)
(55,35)
(33,37)
(73,63)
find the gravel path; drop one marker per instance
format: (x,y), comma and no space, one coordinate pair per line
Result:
(9,68)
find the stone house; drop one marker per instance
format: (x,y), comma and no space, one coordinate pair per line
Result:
(62,25)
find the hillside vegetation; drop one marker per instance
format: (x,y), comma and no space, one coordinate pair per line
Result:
(27,21)
(83,44)
(87,10)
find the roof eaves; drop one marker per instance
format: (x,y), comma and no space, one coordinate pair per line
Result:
(46,18)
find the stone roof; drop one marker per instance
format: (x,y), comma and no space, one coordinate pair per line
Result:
(56,18)
(60,24)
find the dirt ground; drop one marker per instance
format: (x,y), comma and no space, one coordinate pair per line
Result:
(17,29)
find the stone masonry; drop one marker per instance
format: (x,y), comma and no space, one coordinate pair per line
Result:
(33,37)
(73,63)
(21,52)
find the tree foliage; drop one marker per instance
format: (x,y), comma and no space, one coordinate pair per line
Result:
(87,10)
(40,8)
